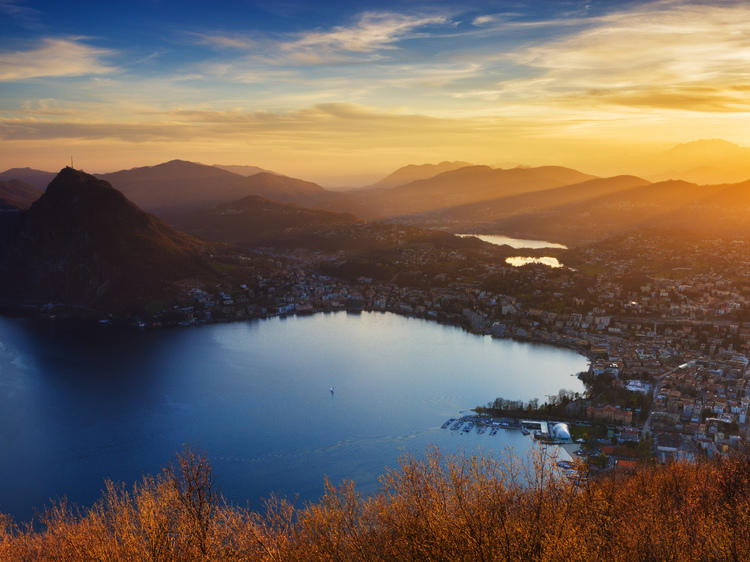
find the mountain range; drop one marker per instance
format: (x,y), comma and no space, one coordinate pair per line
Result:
(484,214)
(456,187)
(264,208)
(179,184)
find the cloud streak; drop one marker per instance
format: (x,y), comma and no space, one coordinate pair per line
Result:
(54,58)
(659,56)
(372,31)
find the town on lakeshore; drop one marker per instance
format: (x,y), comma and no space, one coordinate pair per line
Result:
(668,345)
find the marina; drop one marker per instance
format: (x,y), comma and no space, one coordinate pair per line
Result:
(546,432)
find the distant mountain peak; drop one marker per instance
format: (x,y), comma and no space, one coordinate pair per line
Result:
(37,178)
(706,148)
(704,161)
(708,142)
(414,172)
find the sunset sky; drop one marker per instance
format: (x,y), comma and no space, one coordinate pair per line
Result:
(344,92)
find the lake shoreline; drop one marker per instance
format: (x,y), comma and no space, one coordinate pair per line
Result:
(128,324)
(114,402)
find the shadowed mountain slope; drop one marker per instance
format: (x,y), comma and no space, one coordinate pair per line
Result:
(256,220)
(84,243)
(18,194)
(37,178)
(457,187)
(599,218)
(484,213)
(724,212)
(414,172)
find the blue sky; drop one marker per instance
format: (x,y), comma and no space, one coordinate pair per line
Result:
(341,91)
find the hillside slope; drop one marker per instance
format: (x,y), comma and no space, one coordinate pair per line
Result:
(37,178)
(84,243)
(482,214)
(184,185)
(599,218)
(256,220)
(414,172)
(457,187)
(18,194)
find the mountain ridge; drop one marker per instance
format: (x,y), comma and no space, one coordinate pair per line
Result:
(182,184)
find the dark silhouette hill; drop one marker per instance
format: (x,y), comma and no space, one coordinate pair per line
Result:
(256,220)
(38,178)
(183,185)
(482,214)
(84,243)
(457,187)
(18,194)
(414,172)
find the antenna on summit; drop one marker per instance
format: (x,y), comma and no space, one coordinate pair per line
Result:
(71,161)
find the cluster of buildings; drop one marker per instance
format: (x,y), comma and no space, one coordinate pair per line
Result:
(633,307)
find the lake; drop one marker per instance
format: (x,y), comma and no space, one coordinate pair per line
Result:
(78,405)
(500,240)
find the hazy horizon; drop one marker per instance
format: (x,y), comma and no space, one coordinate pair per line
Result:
(343,94)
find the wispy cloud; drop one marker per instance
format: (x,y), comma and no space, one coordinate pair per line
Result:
(483,20)
(361,41)
(668,55)
(183,124)
(22,14)
(372,31)
(54,57)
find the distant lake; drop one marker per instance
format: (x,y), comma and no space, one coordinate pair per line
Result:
(78,405)
(500,240)
(518,261)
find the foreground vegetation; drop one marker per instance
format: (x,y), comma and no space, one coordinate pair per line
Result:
(431,509)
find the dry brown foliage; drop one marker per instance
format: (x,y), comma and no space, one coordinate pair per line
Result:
(431,509)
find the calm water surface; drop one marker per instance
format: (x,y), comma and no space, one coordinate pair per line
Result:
(500,240)
(81,405)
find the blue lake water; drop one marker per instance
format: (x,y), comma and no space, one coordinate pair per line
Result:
(81,405)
